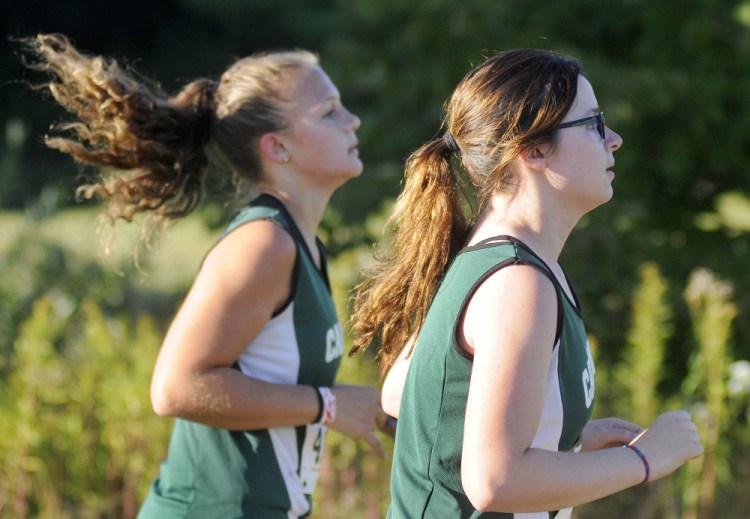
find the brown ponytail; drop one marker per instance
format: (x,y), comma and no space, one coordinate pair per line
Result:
(508,104)
(430,228)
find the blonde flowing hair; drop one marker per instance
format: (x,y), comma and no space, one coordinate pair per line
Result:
(157,144)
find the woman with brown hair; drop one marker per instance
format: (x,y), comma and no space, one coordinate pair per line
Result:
(488,365)
(249,362)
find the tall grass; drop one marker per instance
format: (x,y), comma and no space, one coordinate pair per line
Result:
(78,438)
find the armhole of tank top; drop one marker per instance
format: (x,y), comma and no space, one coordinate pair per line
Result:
(323,262)
(295,272)
(295,277)
(267,200)
(576,302)
(499,266)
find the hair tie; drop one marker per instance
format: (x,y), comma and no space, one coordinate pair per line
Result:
(210,92)
(451,143)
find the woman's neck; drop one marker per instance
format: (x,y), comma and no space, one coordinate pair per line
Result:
(544,230)
(306,208)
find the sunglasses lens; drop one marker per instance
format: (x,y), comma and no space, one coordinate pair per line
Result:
(600,125)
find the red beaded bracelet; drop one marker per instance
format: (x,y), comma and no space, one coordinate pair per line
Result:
(643,459)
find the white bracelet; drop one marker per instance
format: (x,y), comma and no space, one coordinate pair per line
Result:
(329,406)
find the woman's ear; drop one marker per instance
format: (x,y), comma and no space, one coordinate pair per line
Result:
(535,158)
(272,148)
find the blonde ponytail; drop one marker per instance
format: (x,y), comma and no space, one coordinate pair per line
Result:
(157,145)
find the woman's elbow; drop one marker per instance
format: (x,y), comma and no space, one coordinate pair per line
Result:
(481,496)
(485,493)
(164,397)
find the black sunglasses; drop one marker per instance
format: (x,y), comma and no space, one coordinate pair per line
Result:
(598,119)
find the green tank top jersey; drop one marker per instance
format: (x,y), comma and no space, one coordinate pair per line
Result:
(426,471)
(215,473)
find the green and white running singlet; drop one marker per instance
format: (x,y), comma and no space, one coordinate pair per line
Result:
(215,473)
(426,471)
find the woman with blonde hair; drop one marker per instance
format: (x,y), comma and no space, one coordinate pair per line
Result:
(488,366)
(248,364)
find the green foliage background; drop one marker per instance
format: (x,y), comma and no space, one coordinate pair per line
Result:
(79,328)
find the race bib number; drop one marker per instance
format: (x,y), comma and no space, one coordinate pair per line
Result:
(311,456)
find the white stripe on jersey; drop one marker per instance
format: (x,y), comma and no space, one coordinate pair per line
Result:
(550,423)
(285,446)
(274,354)
(550,427)
(274,357)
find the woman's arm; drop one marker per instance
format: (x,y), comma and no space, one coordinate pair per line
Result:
(243,280)
(509,326)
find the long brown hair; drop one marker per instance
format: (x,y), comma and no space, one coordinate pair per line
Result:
(156,144)
(508,104)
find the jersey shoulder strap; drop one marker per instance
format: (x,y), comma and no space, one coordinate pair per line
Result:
(264,207)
